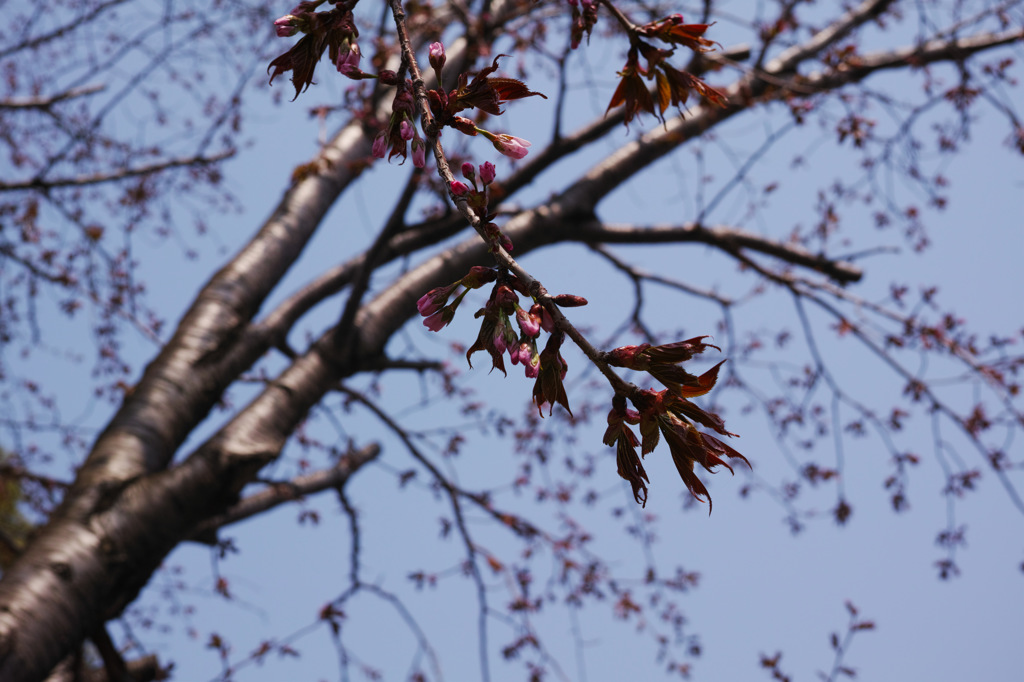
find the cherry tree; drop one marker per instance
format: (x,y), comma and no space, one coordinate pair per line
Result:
(121,123)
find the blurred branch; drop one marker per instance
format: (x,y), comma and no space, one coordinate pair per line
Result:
(45,102)
(286,491)
(955,49)
(60,31)
(122,174)
(639,274)
(729,239)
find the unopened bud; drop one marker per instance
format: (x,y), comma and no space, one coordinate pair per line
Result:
(487,172)
(569,301)
(437,56)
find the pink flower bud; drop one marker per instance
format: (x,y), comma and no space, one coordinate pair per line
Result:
(546,323)
(405,130)
(286,26)
(433,300)
(348,61)
(419,153)
(459,188)
(487,172)
(468,171)
(511,146)
(437,56)
(380,145)
(498,340)
(528,324)
(532,366)
(436,322)
(505,299)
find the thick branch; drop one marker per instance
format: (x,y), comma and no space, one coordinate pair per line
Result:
(143,669)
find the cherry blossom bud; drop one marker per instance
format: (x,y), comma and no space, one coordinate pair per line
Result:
(380,145)
(569,301)
(436,322)
(348,61)
(505,298)
(546,323)
(434,300)
(498,339)
(459,188)
(437,56)
(528,324)
(511,146)
(532,365)
(419,153)
(478,276)
(487,172)
(406,130)
(469,171)
(387,77)
(464,126)
(287,26)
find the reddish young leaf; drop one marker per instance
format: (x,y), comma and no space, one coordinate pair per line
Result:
(485,93)
(549,389)
(671,29)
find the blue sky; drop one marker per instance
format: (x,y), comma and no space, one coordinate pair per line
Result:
(762,588)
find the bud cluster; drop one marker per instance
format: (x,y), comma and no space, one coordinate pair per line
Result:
(477,198)
(485,93)
(506,327)
(401,129)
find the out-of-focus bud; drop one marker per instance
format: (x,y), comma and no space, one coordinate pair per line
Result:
(569,301)
(505,298)
(478,276)
(419,153)
(287,26)
(528,324)
(487,172)
(406,130)
(436,322)
(546,323)
(435,299)
(464,125)
(348,61)
(437,57)
(469,171)
(380,145)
